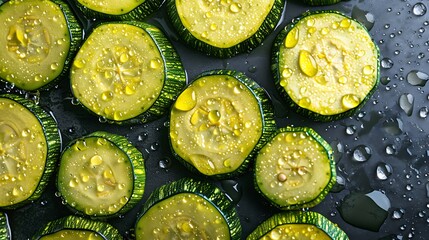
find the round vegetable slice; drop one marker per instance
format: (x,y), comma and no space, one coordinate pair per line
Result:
(29,147)
(114,10)
(75,227)
(127,72)
(188,209)
(325,65)
(101,175)
(224,28)
(295,169)
(219,122)
(297,225)
(40,38)
(4,227)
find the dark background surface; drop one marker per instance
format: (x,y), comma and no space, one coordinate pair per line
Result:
(395,135)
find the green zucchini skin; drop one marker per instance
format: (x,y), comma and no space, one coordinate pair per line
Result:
(294,217)
(53,144)
(276,72)
(204,189)
(332,181)
(141,12)
(175,76)
(268,121)
(247,45)
(137,162)
(320,2)
(76,36)
(104,229)
(4,227)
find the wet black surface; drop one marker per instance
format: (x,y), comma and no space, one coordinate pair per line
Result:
(391,131)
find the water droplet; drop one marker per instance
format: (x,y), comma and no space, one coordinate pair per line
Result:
(383,171)
(232,189)
(386,63)
(186,100)
(292,38)
(419,9)
(393,126)
(423,112)
(154,146)
(427,190)
(390,149)
(385,80)
(398,214)
(406,102)
(165,163)
(362,153)
(366,18)
(417,78)
(367,211)
(307,64)
(350,130)
(350,101)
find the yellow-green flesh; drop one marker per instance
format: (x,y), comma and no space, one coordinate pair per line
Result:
(296,231)
(35,42)
(118,72)
(69,234)
(23,152)
(215,123)
(182,216)
(293,168)
(95,176)
(223,23)
(328,63)
(113,7)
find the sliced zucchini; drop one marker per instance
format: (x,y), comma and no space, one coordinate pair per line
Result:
(75,227)
(295,169)
(325,65)
(219,122)
(29,148)
(4,227)
(127,72)
(298,225)
(118,10)
(320,2)
(101,175)
(224,28)
(188,209)
(40,38)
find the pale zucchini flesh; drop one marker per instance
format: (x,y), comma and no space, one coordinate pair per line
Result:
(327,65)
(73,234)
(215,124)
(23,152)
(118,72)
(37,41)
(95,176)
(296,231)
(223,24)
(112,7)
(182,216)
(295,169)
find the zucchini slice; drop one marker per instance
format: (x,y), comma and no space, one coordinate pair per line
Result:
(101,175)
(224,28)
(298,225)
(118,10)
(320,2)
(188,209)
(75,228)
(127,72)
(30,144)
(295,169)
(4,227)
(40,38)
(219,122)
(325,65)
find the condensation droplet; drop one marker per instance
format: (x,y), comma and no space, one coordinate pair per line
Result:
(419,9)
(417,78)
(390,149)
(386,63)
(406,102)
(423,112)
(361,153)
(383,171)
